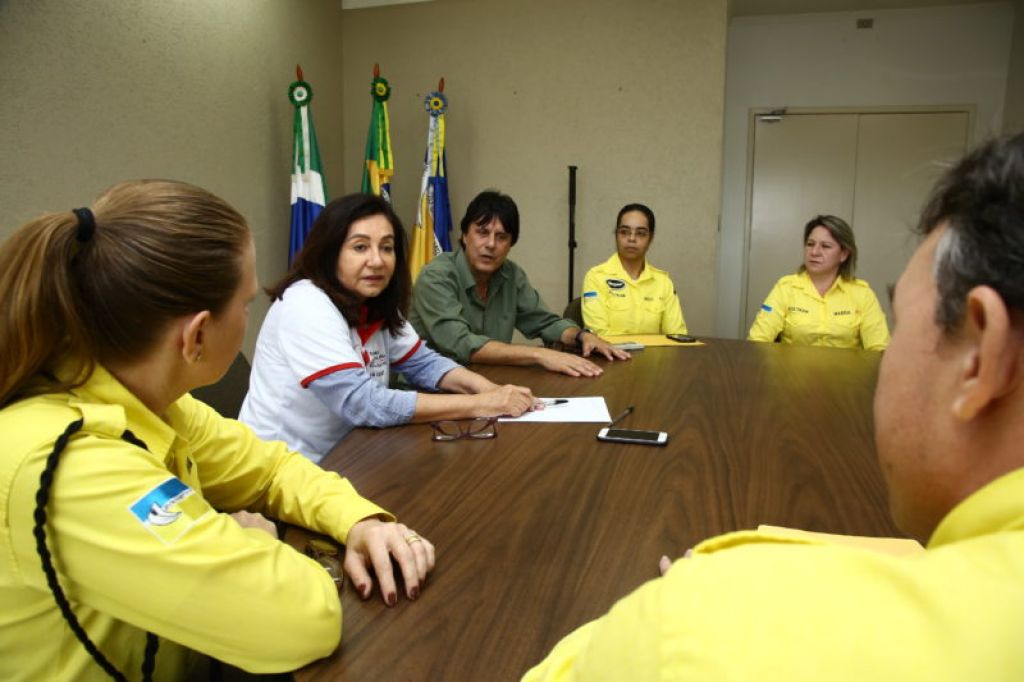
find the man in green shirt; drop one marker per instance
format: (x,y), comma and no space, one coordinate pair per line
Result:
(466,304)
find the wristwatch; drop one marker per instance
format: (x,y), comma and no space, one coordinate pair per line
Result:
(580,333)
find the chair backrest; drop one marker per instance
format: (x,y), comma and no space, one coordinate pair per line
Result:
(574,311)
(226,395)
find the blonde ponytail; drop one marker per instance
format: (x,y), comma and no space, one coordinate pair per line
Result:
(39,316)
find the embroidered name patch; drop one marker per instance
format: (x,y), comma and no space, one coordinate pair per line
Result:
(169,510)
(615,283)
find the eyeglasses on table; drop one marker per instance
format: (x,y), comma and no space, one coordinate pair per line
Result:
(479,428)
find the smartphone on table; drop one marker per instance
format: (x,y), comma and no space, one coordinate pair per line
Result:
(636,436)
(681,338)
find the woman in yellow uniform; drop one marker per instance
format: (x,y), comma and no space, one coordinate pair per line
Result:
(118,550)
(823,304)
(626,294)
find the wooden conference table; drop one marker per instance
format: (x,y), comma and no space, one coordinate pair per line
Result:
(545,528)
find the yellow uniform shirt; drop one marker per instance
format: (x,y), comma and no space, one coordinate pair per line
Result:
(614,303)
(847,316)
(139,544)
(750,607)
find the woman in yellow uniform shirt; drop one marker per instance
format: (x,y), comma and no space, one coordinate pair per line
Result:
(823,304)
(117,549)
(626,294)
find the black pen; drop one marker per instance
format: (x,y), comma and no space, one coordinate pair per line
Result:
(626,413)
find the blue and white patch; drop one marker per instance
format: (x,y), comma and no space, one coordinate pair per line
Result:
(169,510)
(765,307)
(589,296)
(615,283)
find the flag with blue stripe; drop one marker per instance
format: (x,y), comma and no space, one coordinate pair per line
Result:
(309,191)
(431,235)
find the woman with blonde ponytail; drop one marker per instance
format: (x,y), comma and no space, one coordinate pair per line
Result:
(118,551)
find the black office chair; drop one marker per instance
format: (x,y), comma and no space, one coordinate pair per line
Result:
(226,395)
(574,311)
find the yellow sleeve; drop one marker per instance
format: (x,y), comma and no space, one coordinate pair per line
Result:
(595,311)
(874,330)
(240,471)
(624,644)
(771,318)
(138,548)
(672,321)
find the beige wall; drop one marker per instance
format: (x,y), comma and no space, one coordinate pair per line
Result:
(631,92)
(101,91)
(1014,114)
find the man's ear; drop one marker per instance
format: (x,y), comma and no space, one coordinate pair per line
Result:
(990,354)
(193,336)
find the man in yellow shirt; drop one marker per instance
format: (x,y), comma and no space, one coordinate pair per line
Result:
(948,407)
(626,294)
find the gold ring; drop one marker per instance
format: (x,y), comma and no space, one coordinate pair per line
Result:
(412,537)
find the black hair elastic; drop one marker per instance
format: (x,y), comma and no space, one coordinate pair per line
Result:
(86,224)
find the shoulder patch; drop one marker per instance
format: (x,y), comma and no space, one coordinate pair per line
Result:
(169,510)
(614,283)
(589,294)
(765,307)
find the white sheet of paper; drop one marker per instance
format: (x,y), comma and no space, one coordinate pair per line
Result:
(589,409)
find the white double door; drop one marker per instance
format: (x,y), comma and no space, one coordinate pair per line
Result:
(874,170)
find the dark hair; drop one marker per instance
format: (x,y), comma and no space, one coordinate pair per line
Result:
(843,234)
(487,206)
(981,200)
(318,262)
(628,208)
(82,296)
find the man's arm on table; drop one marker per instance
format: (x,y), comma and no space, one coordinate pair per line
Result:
(499,353)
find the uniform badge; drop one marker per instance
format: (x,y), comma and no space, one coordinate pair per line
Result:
(169,509)
(615,283)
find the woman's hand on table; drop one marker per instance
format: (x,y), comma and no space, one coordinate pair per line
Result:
(508,400)
(373,543)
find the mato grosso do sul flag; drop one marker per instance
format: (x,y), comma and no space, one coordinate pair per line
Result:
(309,191)
(380,164)
(434,214)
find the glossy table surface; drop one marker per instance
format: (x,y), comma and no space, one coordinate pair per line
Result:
(544,527)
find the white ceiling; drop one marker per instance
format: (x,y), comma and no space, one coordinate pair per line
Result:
(742,8)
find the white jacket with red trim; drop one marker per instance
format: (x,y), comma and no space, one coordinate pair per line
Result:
(314,378)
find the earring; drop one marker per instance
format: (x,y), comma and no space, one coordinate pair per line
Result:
(199,356)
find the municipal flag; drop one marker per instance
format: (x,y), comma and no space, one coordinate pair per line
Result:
(309,191)
(433,216)
(380,165)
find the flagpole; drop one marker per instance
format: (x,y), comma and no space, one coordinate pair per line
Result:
(572,226)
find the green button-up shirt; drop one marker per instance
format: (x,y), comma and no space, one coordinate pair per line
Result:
(448,312)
